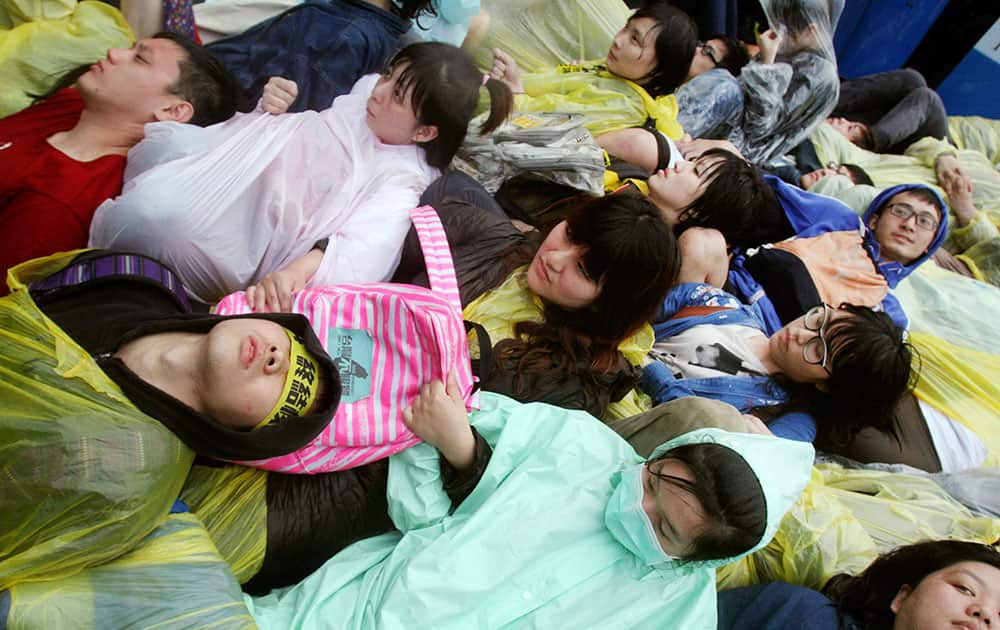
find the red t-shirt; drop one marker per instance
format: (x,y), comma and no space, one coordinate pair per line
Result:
(47,199)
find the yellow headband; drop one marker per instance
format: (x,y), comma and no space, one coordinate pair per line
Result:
(300,388)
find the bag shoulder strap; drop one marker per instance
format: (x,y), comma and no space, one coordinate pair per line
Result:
(114,265)
(437,255)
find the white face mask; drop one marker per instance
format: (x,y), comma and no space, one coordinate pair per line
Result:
(629,523)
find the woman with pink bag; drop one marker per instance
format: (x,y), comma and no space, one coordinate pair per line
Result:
(305,199)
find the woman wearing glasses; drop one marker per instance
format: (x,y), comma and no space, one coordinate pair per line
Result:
(822,377)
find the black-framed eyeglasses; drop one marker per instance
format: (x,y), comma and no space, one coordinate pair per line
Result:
(903,211)
(816,351)
(709,51)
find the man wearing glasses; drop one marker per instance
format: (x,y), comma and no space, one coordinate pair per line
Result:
(907,225)
(837,260)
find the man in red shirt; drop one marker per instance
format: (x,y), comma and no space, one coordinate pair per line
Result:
(62,157)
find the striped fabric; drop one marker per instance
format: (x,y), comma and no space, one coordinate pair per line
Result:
(416,336)
(113,265)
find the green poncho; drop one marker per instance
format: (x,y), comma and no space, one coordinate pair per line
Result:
(528,547)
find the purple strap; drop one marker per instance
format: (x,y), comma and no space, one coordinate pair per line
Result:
(110,266)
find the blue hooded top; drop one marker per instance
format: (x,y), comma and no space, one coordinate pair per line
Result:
(811,215)
(894,271)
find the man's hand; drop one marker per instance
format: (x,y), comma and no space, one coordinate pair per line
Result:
(958,187)
(948,168)
(278,96)
(438,417)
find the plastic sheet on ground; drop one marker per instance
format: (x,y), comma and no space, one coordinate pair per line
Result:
(42,40)
(85,474)
(845,517)
(173,579)
(232,503)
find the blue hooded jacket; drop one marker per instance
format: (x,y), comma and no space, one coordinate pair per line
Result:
(894,271)
(812,215)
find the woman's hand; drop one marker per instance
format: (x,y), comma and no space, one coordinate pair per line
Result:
(278,95)
(273,294)
(438,417)
(505,69)
(958,187)
(769,42)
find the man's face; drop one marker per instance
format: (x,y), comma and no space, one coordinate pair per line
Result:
(135,82)
(243,366)
(707,56)
(905,240)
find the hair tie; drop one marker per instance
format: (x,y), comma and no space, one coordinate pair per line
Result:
(486,77)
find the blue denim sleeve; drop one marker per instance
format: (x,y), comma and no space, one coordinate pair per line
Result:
(797,426)
(661,384)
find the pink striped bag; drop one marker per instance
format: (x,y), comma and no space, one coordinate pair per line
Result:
(387,340)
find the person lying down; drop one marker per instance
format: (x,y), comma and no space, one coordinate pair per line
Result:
(567,527)
(317,198)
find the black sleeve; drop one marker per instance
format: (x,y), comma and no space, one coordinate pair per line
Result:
(459,485)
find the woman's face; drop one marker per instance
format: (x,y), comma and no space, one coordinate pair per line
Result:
(633,52)
(557,273)
(677,516)
(673,189)
(390,116)
(792,347)
(244,363)
(964,595)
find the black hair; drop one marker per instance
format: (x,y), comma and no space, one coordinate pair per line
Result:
(866,140)
(204,81)
(632,254)
(870,367)
(214,93)
(736,55)
(730,495)
(858,175)
(868,597)
(410,9)
(736,201)
(922,194)
(443,83)
(675,43)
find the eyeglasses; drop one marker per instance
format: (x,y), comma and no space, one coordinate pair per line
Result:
(815,351)
(902,211)
(709,51)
